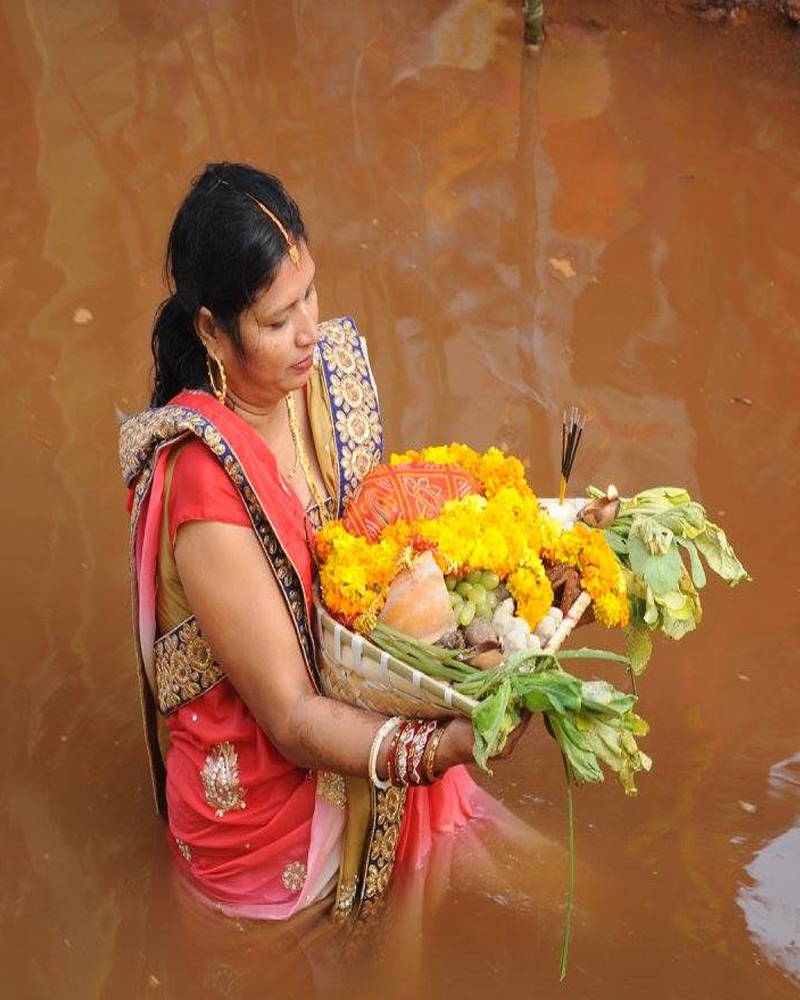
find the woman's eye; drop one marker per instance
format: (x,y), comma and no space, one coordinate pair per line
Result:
(278,324)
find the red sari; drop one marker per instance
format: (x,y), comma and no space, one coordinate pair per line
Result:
(255,833)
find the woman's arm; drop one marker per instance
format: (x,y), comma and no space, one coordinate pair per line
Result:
(241,612)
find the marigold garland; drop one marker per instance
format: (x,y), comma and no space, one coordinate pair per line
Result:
(504,531)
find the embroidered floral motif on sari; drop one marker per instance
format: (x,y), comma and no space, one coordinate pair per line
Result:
(220,776)
(332,788)
(294,876)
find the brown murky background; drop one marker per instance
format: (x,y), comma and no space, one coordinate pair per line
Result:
(615,222)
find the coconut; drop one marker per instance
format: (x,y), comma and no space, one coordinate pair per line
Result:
(418,601)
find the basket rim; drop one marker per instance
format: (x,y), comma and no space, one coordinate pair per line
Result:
(444,690)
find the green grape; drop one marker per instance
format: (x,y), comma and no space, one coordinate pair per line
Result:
(465,589)
(485,612)
(466,614)
(456,602)
(450,582)
(491,600)
(474,576)
(478,594)
(490,580)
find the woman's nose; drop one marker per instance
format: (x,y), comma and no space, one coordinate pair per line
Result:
(306,326)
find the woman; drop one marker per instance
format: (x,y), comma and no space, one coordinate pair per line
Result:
(262,423)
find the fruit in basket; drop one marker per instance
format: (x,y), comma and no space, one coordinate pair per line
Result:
(418,602)
(480,635)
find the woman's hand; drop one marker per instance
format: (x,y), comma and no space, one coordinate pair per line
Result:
(456,744)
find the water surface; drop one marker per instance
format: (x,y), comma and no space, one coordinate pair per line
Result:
(616,223)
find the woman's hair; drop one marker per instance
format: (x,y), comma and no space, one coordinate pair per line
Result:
(222,252)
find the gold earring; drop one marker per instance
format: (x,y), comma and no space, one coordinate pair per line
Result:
(219,392)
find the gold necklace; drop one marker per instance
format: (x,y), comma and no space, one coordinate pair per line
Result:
(300,453)
(263,413)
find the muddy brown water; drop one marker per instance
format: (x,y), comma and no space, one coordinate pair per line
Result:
(616,223)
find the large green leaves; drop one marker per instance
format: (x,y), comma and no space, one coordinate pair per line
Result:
(659,537)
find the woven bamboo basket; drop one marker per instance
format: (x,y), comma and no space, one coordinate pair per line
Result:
(356,671)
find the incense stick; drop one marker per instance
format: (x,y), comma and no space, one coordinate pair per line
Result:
(571,431)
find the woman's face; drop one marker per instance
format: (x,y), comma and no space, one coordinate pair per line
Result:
(279,333)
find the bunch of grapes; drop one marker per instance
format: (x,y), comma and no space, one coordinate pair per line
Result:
(474,595)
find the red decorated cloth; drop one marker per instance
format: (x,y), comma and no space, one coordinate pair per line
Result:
(393,492)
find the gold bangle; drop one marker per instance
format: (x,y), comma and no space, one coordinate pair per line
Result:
(430,753)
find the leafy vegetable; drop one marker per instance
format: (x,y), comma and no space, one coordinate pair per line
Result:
(591,721)
(650,536)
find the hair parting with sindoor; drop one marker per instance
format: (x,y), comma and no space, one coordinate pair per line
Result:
(222,252)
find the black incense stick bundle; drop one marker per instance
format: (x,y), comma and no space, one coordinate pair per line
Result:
(571,430)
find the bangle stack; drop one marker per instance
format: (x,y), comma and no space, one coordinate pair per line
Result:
(412,752)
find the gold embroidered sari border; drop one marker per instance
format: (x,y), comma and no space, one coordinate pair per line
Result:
(185,666)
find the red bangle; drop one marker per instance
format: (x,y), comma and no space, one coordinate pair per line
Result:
(407,733)
(417,750)
(430,753)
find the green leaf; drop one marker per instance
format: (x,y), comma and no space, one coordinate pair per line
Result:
(616,542)
(698,573)
(616,747)
(549,690)
(651,615)
(640,647)
(582,761)
(601,698)
(492,721)
(660,572)
(720,556)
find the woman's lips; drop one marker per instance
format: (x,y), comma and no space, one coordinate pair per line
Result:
(304,365)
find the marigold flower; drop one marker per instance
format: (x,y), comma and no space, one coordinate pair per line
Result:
(504,531)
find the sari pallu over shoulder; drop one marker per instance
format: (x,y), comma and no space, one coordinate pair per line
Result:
(352,422)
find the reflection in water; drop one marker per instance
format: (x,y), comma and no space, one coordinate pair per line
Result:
(771,903)
(442,171)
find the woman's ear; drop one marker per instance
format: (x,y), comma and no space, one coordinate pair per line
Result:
(207,331)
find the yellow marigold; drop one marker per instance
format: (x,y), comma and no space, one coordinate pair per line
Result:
(492,470)
(601,575)
(354,572)
(503,531)
(531,590)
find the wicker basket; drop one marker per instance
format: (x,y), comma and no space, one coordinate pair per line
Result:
(356,671)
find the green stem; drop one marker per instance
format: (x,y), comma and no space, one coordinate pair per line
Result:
(632,676)
(591,654)
(571,876)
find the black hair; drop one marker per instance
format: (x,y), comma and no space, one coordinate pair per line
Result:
(222,252)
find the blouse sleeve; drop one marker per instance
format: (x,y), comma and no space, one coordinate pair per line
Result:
(201,490)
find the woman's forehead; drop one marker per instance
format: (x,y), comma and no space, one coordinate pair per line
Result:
(290,284)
